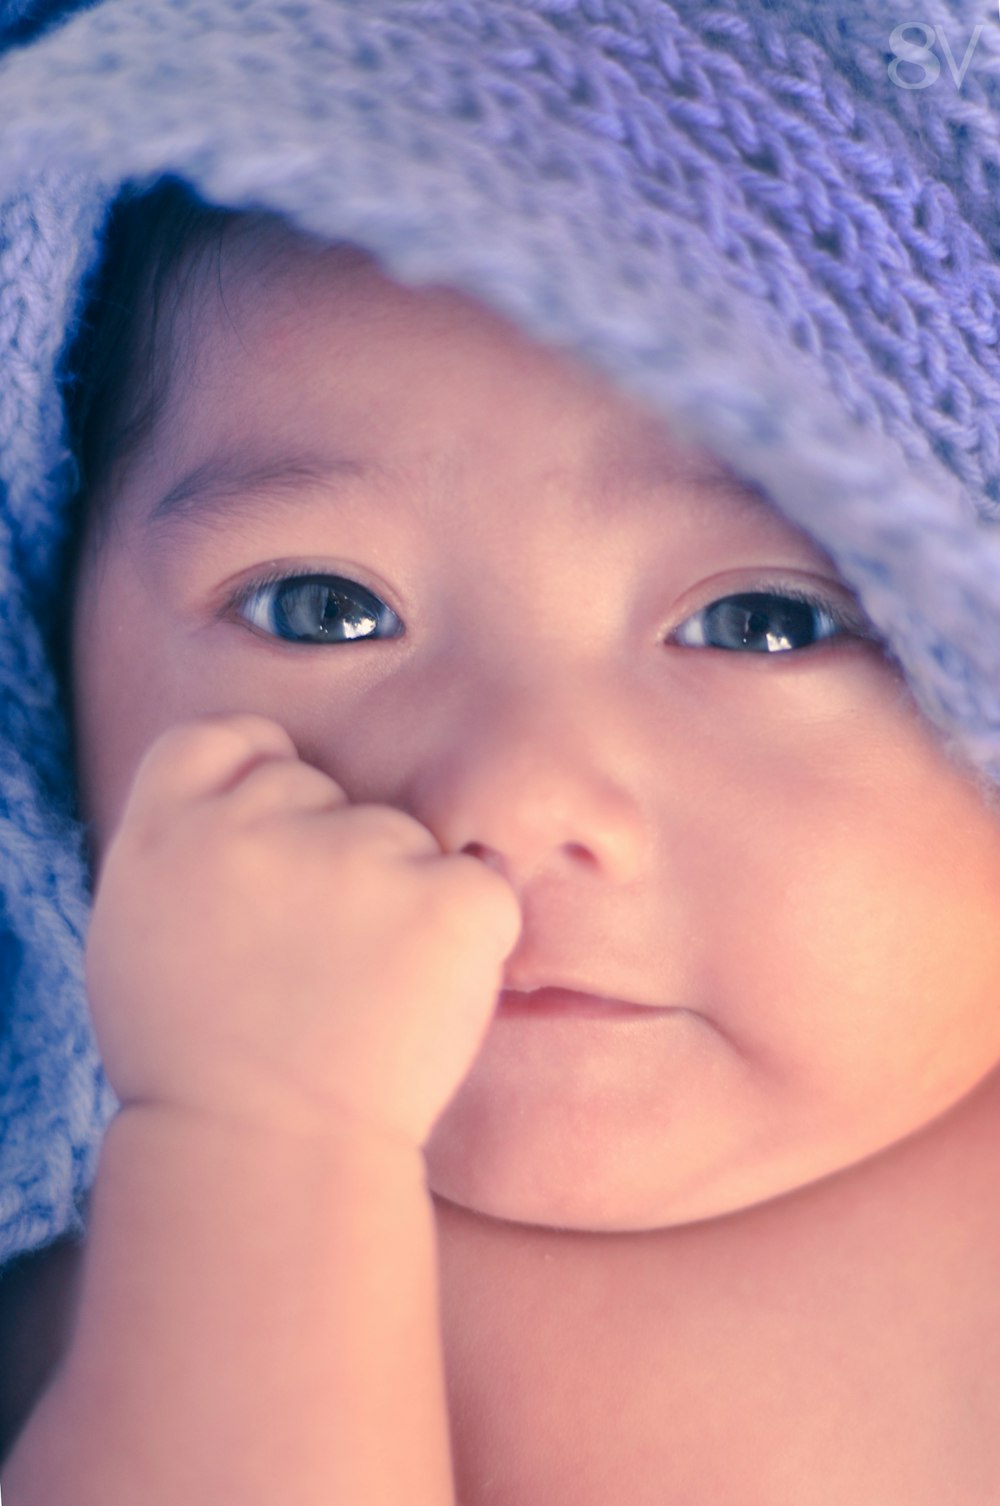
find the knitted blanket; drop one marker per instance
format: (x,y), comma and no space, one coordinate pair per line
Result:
(771,220)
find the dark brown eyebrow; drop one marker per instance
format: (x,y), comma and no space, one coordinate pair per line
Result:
(233,485)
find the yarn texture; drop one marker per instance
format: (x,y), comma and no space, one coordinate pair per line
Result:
(751,216)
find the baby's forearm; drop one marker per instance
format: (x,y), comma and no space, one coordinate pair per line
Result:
(259,1320)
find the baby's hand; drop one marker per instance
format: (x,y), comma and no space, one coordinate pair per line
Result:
(262,949)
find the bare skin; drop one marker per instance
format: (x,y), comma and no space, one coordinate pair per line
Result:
(833,1348)
(809,1365)
(277,1086)
(760,1240)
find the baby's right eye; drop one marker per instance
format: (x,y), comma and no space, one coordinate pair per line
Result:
(312,608)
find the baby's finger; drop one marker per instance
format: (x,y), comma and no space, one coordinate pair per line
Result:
(384,830)
(207,756)
(479,900)
(280,786)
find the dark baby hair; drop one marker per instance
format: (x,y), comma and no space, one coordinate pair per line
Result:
(162,256)
(116,373)
(117,370)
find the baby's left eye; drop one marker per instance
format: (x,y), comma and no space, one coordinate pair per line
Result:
(768,622)
(315,608)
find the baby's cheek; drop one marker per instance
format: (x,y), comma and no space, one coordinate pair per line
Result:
(854,887)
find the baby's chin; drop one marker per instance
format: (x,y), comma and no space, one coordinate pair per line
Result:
(674,1129)
(541,1191)
(626,1160)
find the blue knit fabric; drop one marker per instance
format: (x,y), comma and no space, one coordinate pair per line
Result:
(730,209)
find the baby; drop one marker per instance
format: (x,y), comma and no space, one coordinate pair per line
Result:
(547,963)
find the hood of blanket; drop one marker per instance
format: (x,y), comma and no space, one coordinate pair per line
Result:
(740,213)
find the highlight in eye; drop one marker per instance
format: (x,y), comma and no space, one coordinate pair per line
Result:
(314,607)
(778,619)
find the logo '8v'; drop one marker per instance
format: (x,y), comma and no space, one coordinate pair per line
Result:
(915,63)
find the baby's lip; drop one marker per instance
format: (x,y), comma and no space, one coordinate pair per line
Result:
(536,992)
(548,1000)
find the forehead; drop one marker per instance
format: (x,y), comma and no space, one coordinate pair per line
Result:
(297,362)
(302,323)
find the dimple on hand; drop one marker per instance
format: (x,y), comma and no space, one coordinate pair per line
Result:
(261,949)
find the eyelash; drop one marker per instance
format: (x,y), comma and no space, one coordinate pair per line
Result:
(249,589)
(847,621)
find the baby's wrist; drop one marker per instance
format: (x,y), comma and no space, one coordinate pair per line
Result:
(270,1114)
(233,1275)
(212,1139)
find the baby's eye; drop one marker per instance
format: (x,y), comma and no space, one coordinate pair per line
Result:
(315,608)
(767,622)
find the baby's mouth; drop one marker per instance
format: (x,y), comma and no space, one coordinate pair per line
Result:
(550,1001)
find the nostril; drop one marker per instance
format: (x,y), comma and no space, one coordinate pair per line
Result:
(578,852)
(485,854)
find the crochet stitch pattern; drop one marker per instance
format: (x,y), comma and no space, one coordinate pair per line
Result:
(729,209)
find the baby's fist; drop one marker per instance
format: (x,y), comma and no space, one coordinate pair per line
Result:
(262,949)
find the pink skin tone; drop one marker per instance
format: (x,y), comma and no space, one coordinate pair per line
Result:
(776,845)
(215,907)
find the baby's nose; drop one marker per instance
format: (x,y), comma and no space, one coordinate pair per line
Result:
(532,781)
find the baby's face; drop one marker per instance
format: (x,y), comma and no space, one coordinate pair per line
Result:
(765,836)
